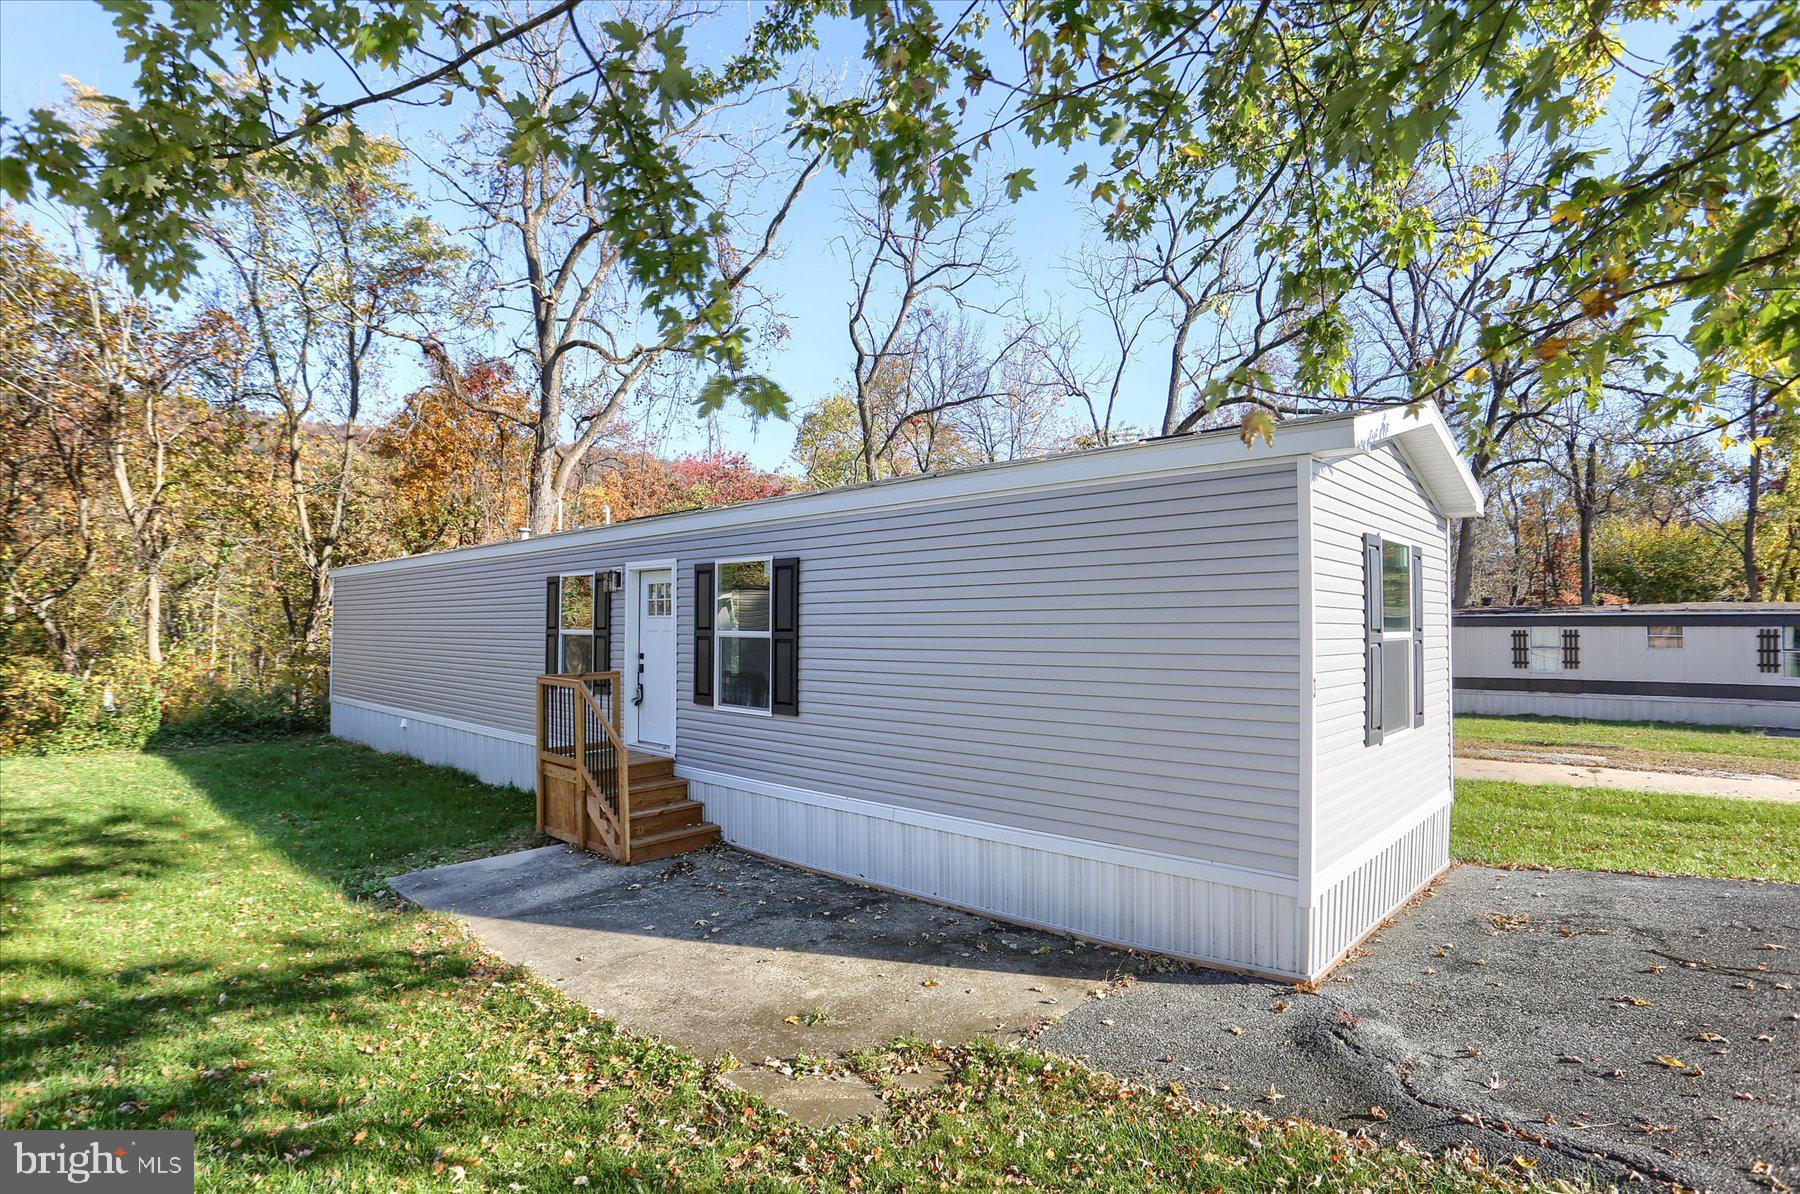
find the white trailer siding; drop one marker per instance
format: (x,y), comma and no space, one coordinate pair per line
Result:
(1713,678)
(1116,693)
(1363,793)
(1708,654)
(1116,663)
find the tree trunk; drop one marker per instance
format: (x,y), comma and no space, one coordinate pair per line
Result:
(1589,499)
(1752,495)
(212,649)
(1465,562)
(153,614)
(1172,416)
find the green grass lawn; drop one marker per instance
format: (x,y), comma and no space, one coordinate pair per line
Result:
(1657,737)
(1601,829)
(199,939)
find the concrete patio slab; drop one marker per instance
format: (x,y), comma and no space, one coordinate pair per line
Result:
(719,952)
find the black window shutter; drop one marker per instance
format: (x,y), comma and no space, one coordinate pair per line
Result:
(603,618)
(703,634)
(1418,620)
(553,628)
(1521,648)
(1768,649)
(784,638)
(1571,639)
(1372,640)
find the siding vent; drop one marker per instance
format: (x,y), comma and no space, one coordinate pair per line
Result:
(1521,644)
(1768,649)
(1571,644)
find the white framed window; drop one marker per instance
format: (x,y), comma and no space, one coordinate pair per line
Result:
(575,620)
(742,658)
(1396,636)
(1663,637)
(1544,649)
(1790,652)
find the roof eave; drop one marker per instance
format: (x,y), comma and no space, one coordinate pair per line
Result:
(1422,436)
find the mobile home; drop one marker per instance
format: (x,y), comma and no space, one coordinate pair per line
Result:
(1185,695)
(1705,663)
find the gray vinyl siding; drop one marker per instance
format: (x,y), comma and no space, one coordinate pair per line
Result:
(1364,791)
(1117,663)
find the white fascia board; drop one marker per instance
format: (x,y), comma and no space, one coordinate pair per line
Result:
(1155,458)
(1426,440)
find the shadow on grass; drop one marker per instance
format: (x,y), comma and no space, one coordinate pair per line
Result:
(350,815)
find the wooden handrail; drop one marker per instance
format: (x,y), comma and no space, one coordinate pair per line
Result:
(582,683)
(620,755)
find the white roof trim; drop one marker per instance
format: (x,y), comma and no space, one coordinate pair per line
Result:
(1330,436)
(1429,447)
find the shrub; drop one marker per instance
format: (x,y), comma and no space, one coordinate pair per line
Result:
(51,712)
(129,706)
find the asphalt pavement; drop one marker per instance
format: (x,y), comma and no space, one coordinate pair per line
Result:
(1560,1023)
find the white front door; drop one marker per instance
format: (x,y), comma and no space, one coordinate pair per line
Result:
(651,721)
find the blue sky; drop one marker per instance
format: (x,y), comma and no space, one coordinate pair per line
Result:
(41,41)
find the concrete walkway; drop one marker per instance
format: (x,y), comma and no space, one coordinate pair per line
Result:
(1580,775)
(719,952)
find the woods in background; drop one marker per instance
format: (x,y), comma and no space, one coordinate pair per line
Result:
(238,349)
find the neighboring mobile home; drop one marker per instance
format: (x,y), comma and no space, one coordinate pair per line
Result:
(1185,695)
(1706,663)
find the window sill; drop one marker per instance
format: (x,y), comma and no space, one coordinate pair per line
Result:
(745,710)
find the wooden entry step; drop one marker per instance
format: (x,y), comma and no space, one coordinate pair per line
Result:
(664,821)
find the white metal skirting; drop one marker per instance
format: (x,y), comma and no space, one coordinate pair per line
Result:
(972,865)
(1686,710)
(493,756)
(1350,907)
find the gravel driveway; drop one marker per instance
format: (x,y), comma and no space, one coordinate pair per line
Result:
(1555,1021)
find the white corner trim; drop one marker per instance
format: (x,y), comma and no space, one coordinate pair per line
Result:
(1328,878)
(1304,472)
(449,723)
(1052,843)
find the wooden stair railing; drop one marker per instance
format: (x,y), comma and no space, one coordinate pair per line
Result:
(583,768)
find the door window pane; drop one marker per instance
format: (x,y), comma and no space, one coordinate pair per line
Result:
(744,595)
(1396,588)
(744,672)
(659,600)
